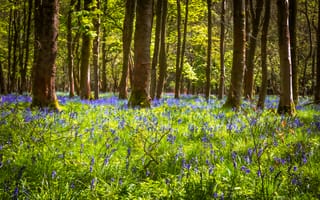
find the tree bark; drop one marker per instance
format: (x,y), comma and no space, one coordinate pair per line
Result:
(208,68)
(104,64)
(44,68)
(239,53)
(178,76)
(222,49)
(293,44)
(286,104)
(85,88)
(70,49)
(96,52)
(141,72)
(249,73)
(264,67)
(163,53)
(127,38)
(317,90)
(155,58)
(2,83)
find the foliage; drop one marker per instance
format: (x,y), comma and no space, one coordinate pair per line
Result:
(178,149)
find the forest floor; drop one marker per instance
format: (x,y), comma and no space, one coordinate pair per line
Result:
(178,149)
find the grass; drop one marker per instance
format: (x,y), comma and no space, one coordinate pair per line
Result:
(179,149)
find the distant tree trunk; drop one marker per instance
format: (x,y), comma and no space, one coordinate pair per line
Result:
(239,49)
(10,30)
(104,64)
(141,72)
(16,33)
(2,83)
(155,57)
(178,73)
(127,38)
(96,45)
(208,68)
(222,49)
(76,53)
(286,104)
(44,67)
(163,53)
(70,48)
(264,67)
(317,90)
(249,72)
(293,44)
(85,89)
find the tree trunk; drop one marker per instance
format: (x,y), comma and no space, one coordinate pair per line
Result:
(16,33)
(44,68)
(286,104)
(126,38)
(70,48)
(293,44)
(104,64)
(141,72)
(9,50)
(2,83)
(264,67)
(85,89)
(249,73)
(239,53)
(96,44)
(222,49)
(163,53)
(153,85)
(208,69)
(178,76)
(317,90)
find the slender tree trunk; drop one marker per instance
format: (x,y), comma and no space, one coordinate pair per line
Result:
(96,45)
(16,32)
(141,72)
(127,38)
(44,68)
(208,69)
(9,50)
(163,53)
(264,67)
(293,43)
(249,73)
(286,104)
(85,89)
(76,52)
(222,49)
(317,90)
(178,56)
(239,53)
(155,58)
(70,49)
(2,83)
(104,64)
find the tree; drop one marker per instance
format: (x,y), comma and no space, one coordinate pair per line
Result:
(264,67)
(249,72)
(155,57)
(96,45)
(45,52)
(85,88)
(238,61)
(2,84)
(178,55)
(317,92)
(293,44)
(126,46)
(162,56)
(222,49)
(286,104)
(141,72)
(208,69)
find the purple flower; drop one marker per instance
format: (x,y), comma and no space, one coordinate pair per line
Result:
(93,182)
(259,173)
(53,174)
(16,193)
(295,168)
(271,169)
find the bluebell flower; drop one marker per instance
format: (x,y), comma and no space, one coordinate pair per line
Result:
(15,193)
(72,186)
(259,173)
(53,174)
(93,182)
(271,169)
(171,138)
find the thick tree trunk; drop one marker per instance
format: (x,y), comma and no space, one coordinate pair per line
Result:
(293,44)
(249,73)
(178,76)
(317,90)
(127,38)
(85,88)
(163,53)
(70,49)
(155,58)
(286,104)
(44,67)
(222,49)
(208,68)
(239,49)
(264,67)
(96,52)
(141,72)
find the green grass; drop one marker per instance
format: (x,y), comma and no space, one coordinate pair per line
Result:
(179,149)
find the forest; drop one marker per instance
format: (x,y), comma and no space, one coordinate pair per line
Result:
(159,99)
